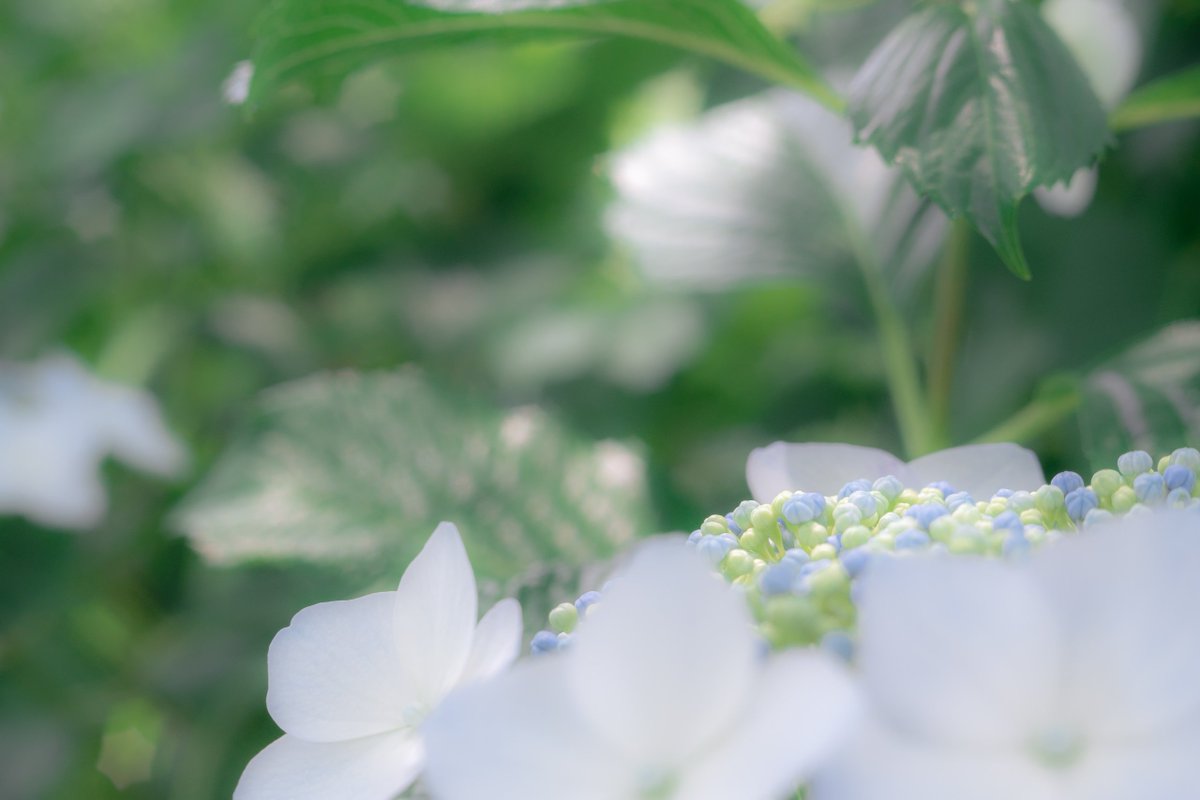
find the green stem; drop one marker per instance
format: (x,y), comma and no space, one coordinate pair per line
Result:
(1039,417)
(949,294)
(899,361)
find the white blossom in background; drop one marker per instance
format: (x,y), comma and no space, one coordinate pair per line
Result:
(764,187)
(664,693)
(236,87)
(1072,676)
(351,682)
(980,470)
(58,423)
(1105,40)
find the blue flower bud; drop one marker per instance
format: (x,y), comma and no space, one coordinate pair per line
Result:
(855,561)
(734,528)
(1179,498)
(1094,517)
(795,556)
(1005,493)
(835,541)
(695,537)
(797,510)
(1068,481)
(854,486)
(956,499)
(1080,502)
(1178,476)
(912,539)
(714,548)
(543,642)
(889,486)
(1135,462)
(741,514)
(589,599)
(942,486)
(864,501)
(1008,521)
(778,578)
(1150,487)
(926,513)
(1016,545)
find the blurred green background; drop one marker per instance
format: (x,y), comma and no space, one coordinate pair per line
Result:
(445,209)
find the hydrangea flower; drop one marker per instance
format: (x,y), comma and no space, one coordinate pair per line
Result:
(663,695)
(1070,676)
(980,470)
(351,682)
(58,423)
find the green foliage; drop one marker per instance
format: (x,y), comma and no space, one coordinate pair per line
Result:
(323,38)
(1174,97)
(980,105)
(359,469)
(1147,398)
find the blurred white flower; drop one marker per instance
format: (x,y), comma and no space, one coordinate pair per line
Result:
(1104,38)
(663,694)
(351,682)
(764,187)
(58,423)
(236,87)
(980,470)
(1069,677)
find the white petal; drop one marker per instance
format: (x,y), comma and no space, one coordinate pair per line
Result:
(957,650)
(372,768)
(663,664)
(815,467)
(497,641)
(883,765)
(334,672)
(981,469)
(1154,770)
(519,737)
(436,608)
(1104,38)
(804,706)
(133,430)
(1128,598)
(1072,198)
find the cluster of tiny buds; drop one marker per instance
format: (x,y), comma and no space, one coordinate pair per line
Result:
(797,557)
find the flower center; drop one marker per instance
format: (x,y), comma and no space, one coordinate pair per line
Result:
(1057,747)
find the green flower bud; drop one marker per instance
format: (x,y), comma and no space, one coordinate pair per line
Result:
(714,526)
(1105,482)
(996,507)
(811,534)
(736,563)
(1032,517)
(823,551)
(753,540)
(942,528)
(855,536)
(564,617)
(908,496)
(967,515)
(968,541)
(777,503)
(1123,499)
(791,620)
(763,518)
(1049,499)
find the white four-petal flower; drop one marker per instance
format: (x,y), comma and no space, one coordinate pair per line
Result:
(1071,677)
(663,694)
(58,422)
(979,469)
(351,682)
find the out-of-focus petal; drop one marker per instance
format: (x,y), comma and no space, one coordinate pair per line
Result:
(497,640)
(1104,38)
(334,672)
(435,615)
(1127,598)
(882,764)
(815,467)
(1072,198)
(519,737)
(981,469)
(958,650)
(371,768)
(664,665)
(804,706)
(1161,769)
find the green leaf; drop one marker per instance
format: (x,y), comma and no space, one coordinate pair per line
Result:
(357,470)
(1147,398)
(317,39)
(1168,99)
(763,188)
(979,106)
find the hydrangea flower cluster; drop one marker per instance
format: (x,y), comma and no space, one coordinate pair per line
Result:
(797,557)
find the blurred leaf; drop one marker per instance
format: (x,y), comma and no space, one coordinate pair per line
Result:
(1147,398)
(979,105)
(1175,97)
(359,469)
(317,39)
(766,187)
